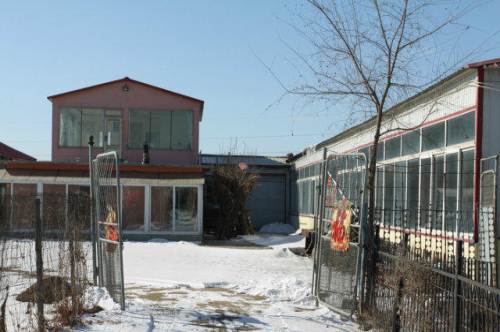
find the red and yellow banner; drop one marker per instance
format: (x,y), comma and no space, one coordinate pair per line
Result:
(340,225)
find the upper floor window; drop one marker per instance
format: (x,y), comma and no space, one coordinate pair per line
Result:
(393,148)
(78,124)
(410,143)
(433,137)
(172,130)
(461,129)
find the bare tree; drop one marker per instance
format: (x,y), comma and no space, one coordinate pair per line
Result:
(368,55)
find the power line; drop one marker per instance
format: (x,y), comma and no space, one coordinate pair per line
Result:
(266,136)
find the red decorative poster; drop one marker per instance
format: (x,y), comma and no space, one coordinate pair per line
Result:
(340,224)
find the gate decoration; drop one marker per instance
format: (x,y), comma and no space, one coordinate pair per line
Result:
(341,223)
(339,215)
(108,224)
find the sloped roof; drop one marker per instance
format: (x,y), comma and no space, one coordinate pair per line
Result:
(214,159)
(398,108)
(486,63)
(10,153)
(128,79)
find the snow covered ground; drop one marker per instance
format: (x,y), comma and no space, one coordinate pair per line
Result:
(180,286)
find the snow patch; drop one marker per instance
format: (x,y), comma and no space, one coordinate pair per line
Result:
(275,240)
(277,228)
(97,296)
(158,240)
(290,289)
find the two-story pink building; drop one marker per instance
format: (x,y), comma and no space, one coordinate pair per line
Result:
(123,115)
(161,199)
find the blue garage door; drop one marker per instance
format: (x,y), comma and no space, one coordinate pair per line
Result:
(267,201)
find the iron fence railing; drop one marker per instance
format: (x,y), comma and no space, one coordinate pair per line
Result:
(430,282)
(45,257)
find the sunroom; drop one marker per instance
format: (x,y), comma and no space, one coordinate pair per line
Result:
(156,201)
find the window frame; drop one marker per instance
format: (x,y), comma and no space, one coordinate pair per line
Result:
(106,114)
(150,111)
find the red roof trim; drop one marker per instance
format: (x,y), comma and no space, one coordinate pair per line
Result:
(127,79)
(51,166)
(11,153)
(485,63)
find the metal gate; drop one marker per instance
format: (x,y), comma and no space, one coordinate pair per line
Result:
(108,224)
(340,214)
(487,220)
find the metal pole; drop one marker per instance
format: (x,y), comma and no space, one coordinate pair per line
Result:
(457,286)
(120,232)
(319,228)
(39,266)
(93,230)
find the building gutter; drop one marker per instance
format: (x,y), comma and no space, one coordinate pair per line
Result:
(479,146)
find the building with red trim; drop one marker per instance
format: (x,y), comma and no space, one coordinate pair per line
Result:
(438,146)
(124,115)
(163,198)
(9,153)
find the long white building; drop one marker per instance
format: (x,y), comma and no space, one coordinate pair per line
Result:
(435,166)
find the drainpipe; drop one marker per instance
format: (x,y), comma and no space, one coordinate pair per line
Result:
(145,155)
(479,145)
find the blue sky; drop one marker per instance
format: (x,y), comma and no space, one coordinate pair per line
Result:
(207,49)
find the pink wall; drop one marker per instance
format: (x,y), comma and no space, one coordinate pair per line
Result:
(139,96)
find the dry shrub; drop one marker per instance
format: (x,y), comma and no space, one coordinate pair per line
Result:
(68,313)
(3,327)
(404,288)
(232,188)
(53,289)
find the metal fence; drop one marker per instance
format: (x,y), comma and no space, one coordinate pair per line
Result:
(435,270)
(337,271)
(428,283)
(108,224)
(430,273)
(44,256)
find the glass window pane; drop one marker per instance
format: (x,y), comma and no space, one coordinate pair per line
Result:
(425,187)
(92,124)
(451,191)
(5,206)
(160,130)
(138,132)
(438,193)
(79,206)
(182,130)
(412,193)
(379,188)
(186,209)
(461,129)
(393,148)
(161,209)
(388,194)
(300,194)
(24,207)
(466,224)
(366,152)
(433,137)
(305,201)
(399,192)
(311,197)
(133,208)
(70,127)
(53,203)
(380,151)
(410,143)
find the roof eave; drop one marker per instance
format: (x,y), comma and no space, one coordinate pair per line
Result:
(127,79)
